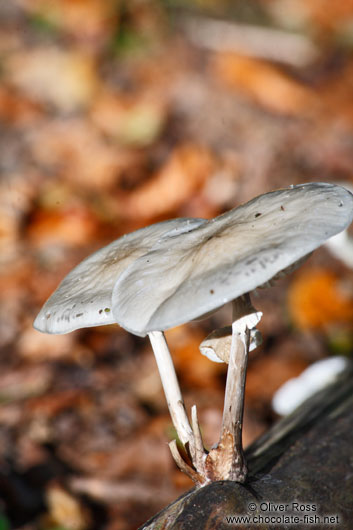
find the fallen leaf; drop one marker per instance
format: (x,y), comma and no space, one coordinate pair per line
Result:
(66,79)
(194,368)
(52,404)
(133,121)
(71,227)
(17,109)
(317,299)
(65,510)
(264,83)
(184,173)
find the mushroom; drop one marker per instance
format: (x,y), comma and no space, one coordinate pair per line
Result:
(181,270)
(83,298)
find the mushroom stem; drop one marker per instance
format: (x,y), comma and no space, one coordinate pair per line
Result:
(244,318)
(171,389)
(234,400)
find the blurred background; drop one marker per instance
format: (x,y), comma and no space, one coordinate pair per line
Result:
(115,115)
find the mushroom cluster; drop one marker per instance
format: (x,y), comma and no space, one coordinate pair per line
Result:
(184,269)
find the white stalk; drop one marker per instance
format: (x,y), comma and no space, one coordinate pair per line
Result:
(245,318)
(234,397)
(171,388)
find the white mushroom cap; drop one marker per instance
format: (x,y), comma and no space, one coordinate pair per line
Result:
(83,298)
(216,346)
(182,278)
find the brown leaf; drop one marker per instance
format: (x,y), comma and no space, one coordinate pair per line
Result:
(52,404)
(264,83)
(183,174)
(17,109)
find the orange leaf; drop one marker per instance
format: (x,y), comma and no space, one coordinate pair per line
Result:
(14,108)
(263,82)
(183,173)
(70,227)
(194,368)
(316,299)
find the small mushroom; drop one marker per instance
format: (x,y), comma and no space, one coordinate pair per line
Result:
(216,346)
(177,271)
